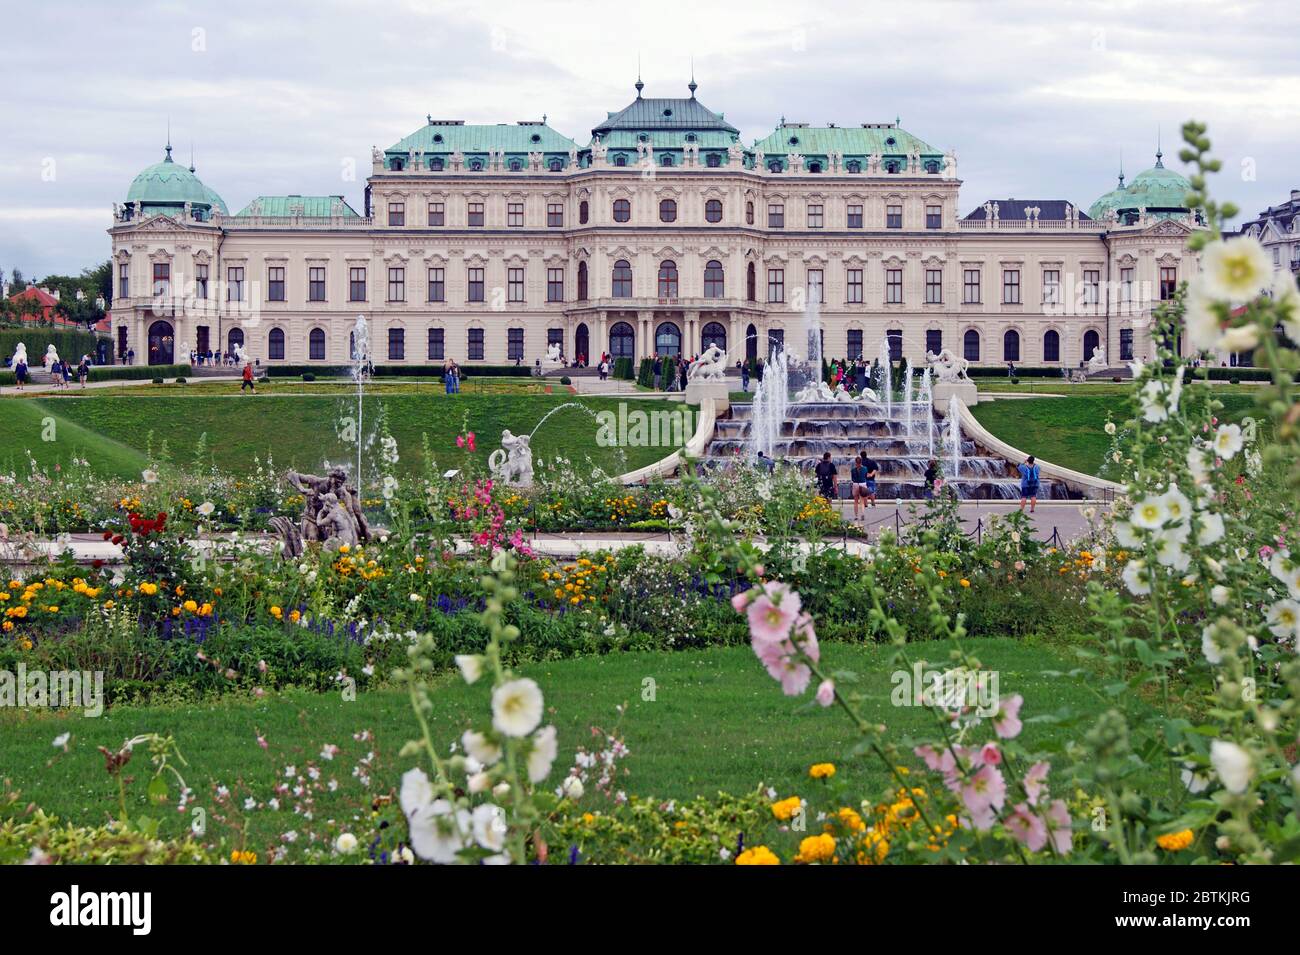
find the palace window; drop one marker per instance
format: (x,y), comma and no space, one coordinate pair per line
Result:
(714,279)
(666,159)
(932,167)
(123,280)
(555,215)
(621,282)
(515,344)
(316,283)
(275,345)
(555,285)
(200,281)
(776,285)
(934,217)
(475,343)
(396,344)
(556,165)
(437,285)
(515,165)
(893,166)
(436,164)
(774,165)
(514,285)
(893,217)
(668,210)
(894,286)
(1168,283)
(815,287)
(316,344)
(814,167)
(776,215)
(162,278)
(751,283)
(1091,286)
(933,340)
(713,210)
(1010,287)
(934,286)
(855,344)
(667,279)
(855,288)
(620,159)
(515,214)
(1126,285)
(474,285)
(1011,345)
(970,287)
(474,214)
(853,165)
(437,214)
(584,212)
(894,336)
(970,345)
(436,344)
(235,283)
(1126,344)
(749,213)
(713,160)
(397,213)
(815,216)
(855,217)
(622,210)
(1051,287)
(1051,345)
(397,284)
(275,284)
(582,281)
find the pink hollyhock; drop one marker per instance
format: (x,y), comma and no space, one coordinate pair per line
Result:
(740,601)
(783,665)
(460,441)
(1036,782)
(990,755)
(1027,828)
(1007,721)
(773,613)
(826,693)
(943,762)
(806,638)
(469,441)
(1058,824)
(983,792)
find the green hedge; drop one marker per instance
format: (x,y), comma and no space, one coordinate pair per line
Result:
(117,372)
(69,343)
(645,377)
(398,371)
(623,368)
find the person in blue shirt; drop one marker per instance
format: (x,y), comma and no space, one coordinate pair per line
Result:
(744,376)
(1028,484)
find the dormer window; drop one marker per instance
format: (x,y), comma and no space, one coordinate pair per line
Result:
(435,164)
(396,165)
(556,165)
(437,137)
(814,167)
(515,165)
(713,160)
(794,140)
(892,166)
(932,167)
(691,137)
(891,141)
(666,159)
(620,159)
(853,166)
(774,165)
(643,137)
(476,165)
(535,138)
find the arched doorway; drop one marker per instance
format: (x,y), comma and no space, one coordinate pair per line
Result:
(1091,342)
(751,343)
(713,334)
(668,339)
(581,344)
(622,341)
(162,344)
(234,338)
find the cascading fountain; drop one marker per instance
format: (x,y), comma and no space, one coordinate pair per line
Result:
(926,401)
(771,400)
(954,437)
(886,378)
(908,400)
(360,374)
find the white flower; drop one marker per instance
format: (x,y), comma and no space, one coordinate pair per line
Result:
(1227,440)
(204,509)
(1219,594)
(1169,550)
(389,487)
(1177,507)
(516,707)
(1110,427)
(150,476)
(416,791)
(1136,578)
(1232,764)
(1126,537)
(481,748)
(1284,619)
(345,843)
(61,741)
(490,828)
(1150,513)
(478,783)
(471,666)
(1235,270)
(1287,298)
(1196,782)
(1198,463)
(1208,647)
(571,788)
(1201,321)
(1241,338)
(436,831)
(1211,531)
(1281,566)
(501,790)
(542,754)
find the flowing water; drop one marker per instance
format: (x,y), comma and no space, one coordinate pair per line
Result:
(886,377)
(360,374)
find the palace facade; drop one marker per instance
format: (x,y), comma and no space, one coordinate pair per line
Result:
(663,233)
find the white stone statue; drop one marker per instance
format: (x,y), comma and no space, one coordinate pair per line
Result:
(20,354)
(1098,363)
(240,355)
(512,463)
(553,354)
(337,526)
(598,149)
(821,392)
(946,366)
(51,356)
(950,165)
(710,366)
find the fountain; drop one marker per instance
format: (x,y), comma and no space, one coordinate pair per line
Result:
(926,401)
(886,376)
(907,400)
(771,399)
(954,437)
(360,373)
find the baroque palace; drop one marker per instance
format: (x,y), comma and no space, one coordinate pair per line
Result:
(664,233)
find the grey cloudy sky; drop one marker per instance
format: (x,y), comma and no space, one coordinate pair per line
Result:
(1037,98)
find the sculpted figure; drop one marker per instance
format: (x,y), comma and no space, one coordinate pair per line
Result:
(946,366)
(512,463)
(711,366)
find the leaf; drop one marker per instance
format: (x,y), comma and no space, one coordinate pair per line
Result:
(157,790)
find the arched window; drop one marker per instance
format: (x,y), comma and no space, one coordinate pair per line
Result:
(622,283)
(582,281)
(556,165)
(1011,345)
(622,340)
(620,159)
(774,165)
(275,345)
(714,279)
(622,210)
(668,339)
(932,167)
(1091,342)
(892,166)
(853,166)
(516,165)
(1051,346)
(751,283)
(668,279)
(814,167)
(396,165)
(435,164)
(713,210)
(749,213)
(584,212)
(713,334)
(668,210)
(235,337)
(666,159)
(476,165)
(751,343)
(316,344)
(970,344)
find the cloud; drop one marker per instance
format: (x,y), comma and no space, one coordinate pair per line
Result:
(1038,99)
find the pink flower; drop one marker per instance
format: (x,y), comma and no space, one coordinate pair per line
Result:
(1007,721)
(983,792)
(740,601)
(1027,828)
(470,441)
(773,613)
(989,755)
(1036,782)
(805,638)
(1058,824)
(939,762)
(826,693)
(460,441)
(783,665)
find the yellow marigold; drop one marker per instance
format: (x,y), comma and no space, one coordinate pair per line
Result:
(149,589)
(851,819)
(964,582)
(277,613)
(822,771)
(786,808)
(1175,841)
(759,855)
(819,848)
(8,625)
(190,605)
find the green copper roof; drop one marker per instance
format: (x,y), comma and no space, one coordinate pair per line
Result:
(310,207)
(168,183)
(448,137)
(852,141)
(648,115)
(1159,190)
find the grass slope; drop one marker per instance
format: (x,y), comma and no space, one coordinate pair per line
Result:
(716,722)
(303,430)
(28,426)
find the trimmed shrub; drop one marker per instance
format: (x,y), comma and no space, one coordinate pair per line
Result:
(399,371)
(158,381)
(566,380)
(308,377)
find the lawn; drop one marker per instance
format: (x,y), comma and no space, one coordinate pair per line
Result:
(300,430)
(716,722)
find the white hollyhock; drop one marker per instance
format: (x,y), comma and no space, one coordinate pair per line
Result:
(1284,619)
(1149,513)
(1239,339)
(1176,505)
(1201,321)
(1198,462)
(1208,645)
(1287,571)
(1126,536)
(416,791)
(471,666)
(516,707)
(204,509)
(1211,531)
(1228,440)
(489,824)
(1136,578)
(542,755)
(1235,270)
(1232,765)
(1195,780)
(1169,549)
(480,747)
(436,831)
(1287,298)
(1219,594)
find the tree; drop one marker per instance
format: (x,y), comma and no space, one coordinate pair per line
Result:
(100,279)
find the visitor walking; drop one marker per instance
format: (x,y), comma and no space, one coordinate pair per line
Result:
(83,370)
(1028,484)
(248,379)
(858,489)
(130,356)
(931,478)
(828,480)
(744,376)
(871,471)
(20,374)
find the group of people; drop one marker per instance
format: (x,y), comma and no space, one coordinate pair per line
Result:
(864,471)
(451,376)
(209,357)
(61,372)
(679,369)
